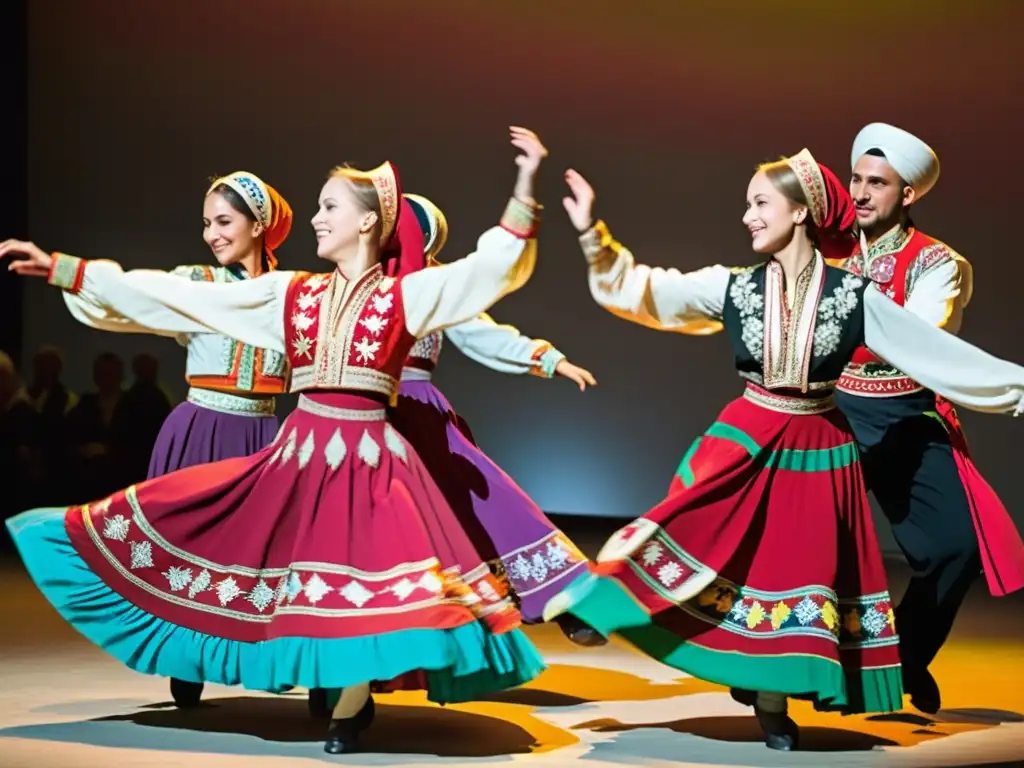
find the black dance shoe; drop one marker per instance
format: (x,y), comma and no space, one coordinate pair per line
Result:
(186,695)
(579,632)
(923,690)
(317,703)
(343,735)
(780,732)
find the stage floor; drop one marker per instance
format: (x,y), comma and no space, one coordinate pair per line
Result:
(64,703)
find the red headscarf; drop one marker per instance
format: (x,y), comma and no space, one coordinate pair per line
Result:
(830,205)
(402,251)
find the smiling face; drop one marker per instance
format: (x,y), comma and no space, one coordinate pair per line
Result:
(771,217)
(230,233)
(879,194)
(342,220)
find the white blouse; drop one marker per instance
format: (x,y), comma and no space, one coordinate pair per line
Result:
(252,311)
(502,347)
(670,300)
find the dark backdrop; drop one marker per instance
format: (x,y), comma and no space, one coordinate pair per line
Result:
(665,106)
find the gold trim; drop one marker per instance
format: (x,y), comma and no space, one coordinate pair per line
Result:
(65,271)
(812,182)
(339,414)
(225,402)
(797,406)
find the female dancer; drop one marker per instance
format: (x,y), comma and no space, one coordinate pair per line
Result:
(329,559)
(761,570)
(229,410)
(522,546)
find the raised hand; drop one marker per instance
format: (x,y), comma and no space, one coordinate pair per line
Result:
(30,260)
(580,204)
(581,376)
(532,151)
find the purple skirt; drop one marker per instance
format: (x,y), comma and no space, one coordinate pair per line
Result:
(505,525)
(193,435)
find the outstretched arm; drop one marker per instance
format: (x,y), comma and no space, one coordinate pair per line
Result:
(663,299)
(102,295)
(940,361)
(504,259)
(938,296)
(503,348)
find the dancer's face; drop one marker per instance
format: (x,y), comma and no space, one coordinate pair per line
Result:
(230,234)
(771,217)
(340,221)
(879,194)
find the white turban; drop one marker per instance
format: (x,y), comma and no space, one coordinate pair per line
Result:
(915,162)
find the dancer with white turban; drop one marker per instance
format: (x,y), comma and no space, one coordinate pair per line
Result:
(947,520)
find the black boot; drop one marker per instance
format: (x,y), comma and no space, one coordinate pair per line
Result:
(923,690)
(780,732)
(343,735)
(317,703)
(186,695)
(579,632)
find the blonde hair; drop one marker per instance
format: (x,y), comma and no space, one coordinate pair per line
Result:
(363,190)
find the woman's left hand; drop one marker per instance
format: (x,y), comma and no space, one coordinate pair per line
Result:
(581,376)
(533,152)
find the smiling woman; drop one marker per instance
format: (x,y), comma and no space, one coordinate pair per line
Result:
(330,558)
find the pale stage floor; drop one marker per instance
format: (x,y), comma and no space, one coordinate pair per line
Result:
(65,703)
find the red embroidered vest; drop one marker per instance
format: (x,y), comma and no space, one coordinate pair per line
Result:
(346,334)
(897,261)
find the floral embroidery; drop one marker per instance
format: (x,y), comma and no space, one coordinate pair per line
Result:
(832,312)
(750,305)
(539,564)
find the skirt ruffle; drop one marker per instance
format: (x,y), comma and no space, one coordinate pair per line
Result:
(523,546)
(760,569)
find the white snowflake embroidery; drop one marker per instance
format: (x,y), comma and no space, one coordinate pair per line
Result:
(289,446)
(302,345)
(315,589)
(178,577)
(538,567)
(652,553)
(227,590)
(142,554)
(116,527)
(356,594)
(740,611)
(301,321)
(374,324)
(750,306)
(366,350)
(261,595)
(519,569)
(200,584)
(832,313)
(381,304)
(669,573)
(557,556)
(807,611)
(874,622)
(307,301)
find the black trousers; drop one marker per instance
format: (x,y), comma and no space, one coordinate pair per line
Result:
(909,467)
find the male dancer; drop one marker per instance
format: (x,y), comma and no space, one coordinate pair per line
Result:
(946,519)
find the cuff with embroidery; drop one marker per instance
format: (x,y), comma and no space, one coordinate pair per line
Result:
(67,272)
(595,240)
(545,360)
(520,219)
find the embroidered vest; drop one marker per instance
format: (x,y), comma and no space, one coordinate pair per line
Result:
(803,348)
(425,352)
(225,365)
(346,334)
(894,265)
